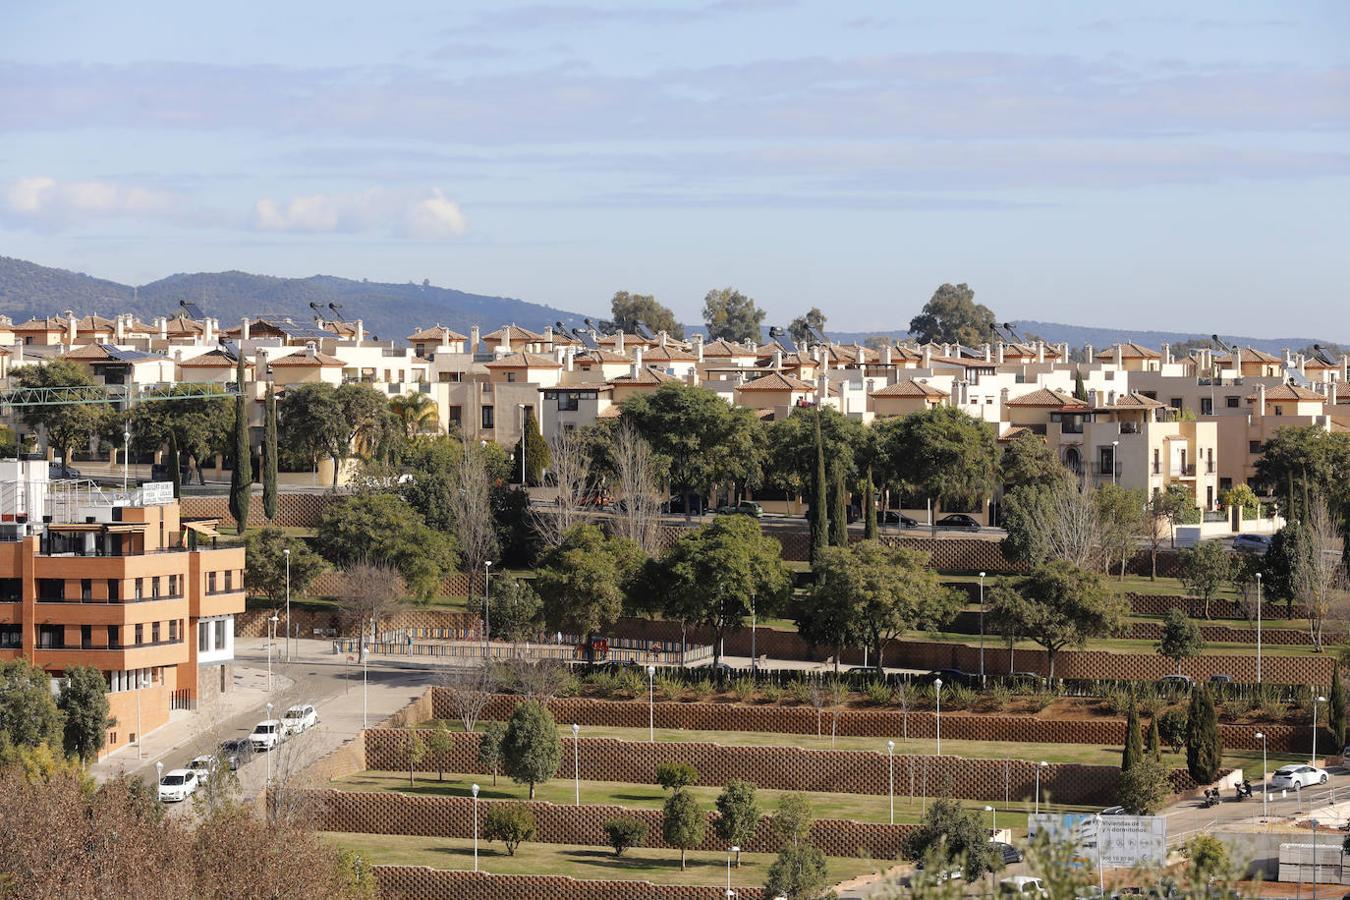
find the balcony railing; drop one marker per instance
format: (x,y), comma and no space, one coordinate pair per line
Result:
(1186,471)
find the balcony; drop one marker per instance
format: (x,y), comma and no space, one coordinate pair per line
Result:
(1186,471)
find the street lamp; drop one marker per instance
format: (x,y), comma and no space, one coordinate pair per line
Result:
(1101,877)
(981,629)
(126,442)
(159,772)
(890,759)
(275,737)
(733,849)
(993,819)
(937,683)
(1258,627)
(474,789)
(651,704)
(576,760)
(521,406)
(1039,766)
(287,553)
(1314,823)
(487,611)
(365,686)
(271,639)
(1115,447)
(1265,785)
(1316,700)
(754,659)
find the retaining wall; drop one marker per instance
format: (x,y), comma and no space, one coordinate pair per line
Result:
(422,883)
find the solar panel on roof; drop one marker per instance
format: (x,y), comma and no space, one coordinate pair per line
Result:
(817,334)
(193,310)
(786,342)
(643,331)
(585,337)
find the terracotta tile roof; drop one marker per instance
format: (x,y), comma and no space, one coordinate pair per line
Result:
(215,359)
(1133,400)
(45,324)
(777,381)
(303,360)
(911,388)
(600,355)
(645,376)
(1048,397)
(668,353)
(1291,392)
(435,333)
(722,348)
(1130,350)
(1013,433)
(629,340)
(516,334)
(525,361)
(181,325)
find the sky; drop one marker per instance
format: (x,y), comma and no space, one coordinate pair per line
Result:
(1161,165)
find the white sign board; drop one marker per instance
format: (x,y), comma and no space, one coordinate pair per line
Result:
(157,493)
(1125,841)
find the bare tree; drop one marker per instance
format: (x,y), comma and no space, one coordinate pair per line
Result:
(639,489)
(371,593)
(1074,531)
(570,475)
(1318,574)
(541,679)
(471,510)
(469,691)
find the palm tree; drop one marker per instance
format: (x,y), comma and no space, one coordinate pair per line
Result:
(417,412)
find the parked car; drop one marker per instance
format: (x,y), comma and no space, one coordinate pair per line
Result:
(950,678)
(301,717)
(177,785)
(1251,543)
(267,734)
(1010,853)
(235,752)
(958,522)
(1218,678)
(895,517)
(1185,682)
(1022,886)
(1298,777)
(1113,811)
(744,508)
(204,766)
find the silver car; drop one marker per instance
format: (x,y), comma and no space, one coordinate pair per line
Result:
(1298,777)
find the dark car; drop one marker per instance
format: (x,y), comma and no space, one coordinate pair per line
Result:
(1010,853)
(949,677)
(895,517)
(744,508)
(1184,682)
(1220,679)
(1251,543)
(235,752)
(958,522)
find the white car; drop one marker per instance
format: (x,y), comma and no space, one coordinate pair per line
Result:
(267,734)
(177,785)
(300,717)
(1022,886)
(203,766)
(1298,777)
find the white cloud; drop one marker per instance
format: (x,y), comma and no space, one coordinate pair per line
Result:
(423,215)
(46,202)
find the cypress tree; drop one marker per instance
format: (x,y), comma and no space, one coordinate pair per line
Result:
(269,449)
(1134,741)
(241,478)
(1154,742)
(1204,749)
(1336,711)
(869,507)
(820,518)
(1079,389)
(174,463)
(839,513)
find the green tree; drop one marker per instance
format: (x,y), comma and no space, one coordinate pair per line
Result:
(516,609)
(440,744)
(1164,510)
(799,873)
(84,705)
(1079,389)
(1336,709)
(323,420)
(269,449)
(1029,460)
(873,593)
(627,310)
(1059,605)
(510,823)
(676,776)
(1153,745)
(792,821)
(714,576)
(624,832)
(683,823)
(1311,455)
(1180,638)
(28,712)
(198,427)
(1205,570)
(1243,496)
(68,425)
(800,327)
(952,316)
(731,315)
(1029,513)
(1122,522)
(819,512)
(538,456)
(265,575)
(1172,728)
(531,749)
(1208,856)
(583,581)
(942,453)
(1134,741)
(416,413)
(490,749)
(416,748)
(433,465)
(384,527)
(1144,788)
(737,815)
(1204,745)
(957,835)
(241,476)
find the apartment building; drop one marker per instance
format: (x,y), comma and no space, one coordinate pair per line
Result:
(116,581)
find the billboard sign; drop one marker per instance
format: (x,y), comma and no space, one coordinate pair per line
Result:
(1124,841)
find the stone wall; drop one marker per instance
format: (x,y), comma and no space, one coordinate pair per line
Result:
(421,883)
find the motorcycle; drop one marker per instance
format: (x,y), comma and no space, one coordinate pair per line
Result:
(1242,791)
(1211,799)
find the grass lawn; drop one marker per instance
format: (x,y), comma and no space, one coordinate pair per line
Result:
(858,807)
(595,863)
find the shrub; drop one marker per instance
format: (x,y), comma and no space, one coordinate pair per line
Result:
(703,690)
(772,692)
(997,698)
(1039,700)
(510,823)
(675,776)
(800,692)
(668,688)
(1172,729)
(958,697)
(629,684)
(625,832)
(744,689)
(599,684)
(877,692)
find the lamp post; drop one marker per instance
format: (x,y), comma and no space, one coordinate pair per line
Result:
(937,684)
(731,851)
(126,443)
(651,704)
(365,687)
(576,760)
(522,443)
(276,736)
(993,819)
(1316,700)
(890,759)
(1258,627)
(1265,783)
(981,629)
(754,658)
(487,612)
(1115,447)
(286,552)
(139,754)
(1314,823)
(474,789)
(271,639)
(1101,877)
(159,772)
(1039,766)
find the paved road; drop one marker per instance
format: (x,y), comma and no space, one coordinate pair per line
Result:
(1329,802)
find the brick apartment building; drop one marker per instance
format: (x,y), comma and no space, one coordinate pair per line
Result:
(115,580)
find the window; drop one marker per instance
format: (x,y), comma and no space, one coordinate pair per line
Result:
(1157,461)
(229,579)
(173,586)
(220,634)
(567,402)
(11,590)
(210,582)
(1253,446)
(487,417)
(140,588)
(173,630)
(1279,410)
(51,590)
(1232,402)
(154,587)
(140,635)
(114,591)
(86,636)
(1175,403)
(456,416)
(203,637)
(86,589)
(114,637)
(11,637)
(51,637)
(1206,406)
(510,377)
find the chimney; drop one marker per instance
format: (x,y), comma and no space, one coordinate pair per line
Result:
(886,357)
(120,328)
(1087,352)
(777,359)
(243,328)
(504,345)
(1120,356)
(1040,351)
(1260,399)
(1064,352)
(548,337)
(1166,353)
(360,330)
(662,336)
(208,330)
(473,339)
(163,325)
(698,347)
(946,349)
(1331,394)
(445,334)
(928,356)
(988,352)
(999,349)
(618,343)
(1003,399)
(1302,365)
(822,388)
(963,392)
(569,357)
(637,356)
(1237,362)
(1092,398)
(310,349)
(1288,357)
(72,327)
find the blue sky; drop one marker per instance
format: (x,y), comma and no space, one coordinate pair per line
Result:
(1175,166)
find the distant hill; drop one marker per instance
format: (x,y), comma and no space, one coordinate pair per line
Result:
(391,311)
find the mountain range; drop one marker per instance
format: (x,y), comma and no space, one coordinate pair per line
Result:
(393,311)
